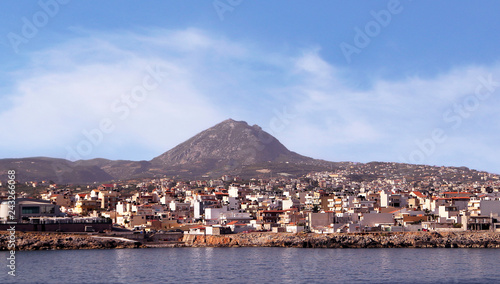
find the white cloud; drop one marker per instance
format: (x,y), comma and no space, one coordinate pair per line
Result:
(73,87)
(303,100)
(390,116)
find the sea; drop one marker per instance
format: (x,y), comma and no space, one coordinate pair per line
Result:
(255,265)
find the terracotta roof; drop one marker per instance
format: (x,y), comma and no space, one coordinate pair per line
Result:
(419,194)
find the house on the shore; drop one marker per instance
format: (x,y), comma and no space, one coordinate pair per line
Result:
(25,208)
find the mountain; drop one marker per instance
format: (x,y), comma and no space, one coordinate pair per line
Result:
(227,142)
(118,169)
(230,147)
(51,169)
(225,148)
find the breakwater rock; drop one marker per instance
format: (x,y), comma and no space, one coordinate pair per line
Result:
(54,241)
(356,240)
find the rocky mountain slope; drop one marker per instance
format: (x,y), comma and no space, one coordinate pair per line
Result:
(50,169)
(230,147)
(227,147)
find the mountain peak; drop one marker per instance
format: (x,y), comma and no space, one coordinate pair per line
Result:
(226,145)
(232,122)
(230,147)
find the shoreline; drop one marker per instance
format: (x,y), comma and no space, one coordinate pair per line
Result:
(354,240)
(26,241)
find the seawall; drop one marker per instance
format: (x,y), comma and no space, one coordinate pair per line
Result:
(54,241)
(48,241)
(369,240)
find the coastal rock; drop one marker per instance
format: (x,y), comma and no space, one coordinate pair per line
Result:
(356,240)
(48,241)
(52,241)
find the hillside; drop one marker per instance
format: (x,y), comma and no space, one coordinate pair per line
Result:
(230,147)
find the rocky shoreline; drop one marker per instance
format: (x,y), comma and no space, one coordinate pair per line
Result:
(369,240)
(56,241)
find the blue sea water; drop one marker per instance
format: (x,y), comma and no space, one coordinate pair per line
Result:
(255,265)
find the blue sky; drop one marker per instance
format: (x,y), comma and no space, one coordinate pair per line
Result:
(402,81)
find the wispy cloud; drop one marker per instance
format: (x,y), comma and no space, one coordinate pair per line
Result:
(384,121)
(72,86)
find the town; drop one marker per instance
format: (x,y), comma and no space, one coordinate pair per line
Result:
(350,199)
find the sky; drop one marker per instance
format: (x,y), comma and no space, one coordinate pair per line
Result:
(396,81)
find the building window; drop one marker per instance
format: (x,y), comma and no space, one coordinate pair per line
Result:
(31,210)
